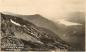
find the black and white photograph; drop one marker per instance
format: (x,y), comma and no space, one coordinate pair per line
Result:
(42,25)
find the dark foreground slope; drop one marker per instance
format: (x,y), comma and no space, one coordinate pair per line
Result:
(22,35)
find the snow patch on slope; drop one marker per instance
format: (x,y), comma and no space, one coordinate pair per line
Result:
(15,23)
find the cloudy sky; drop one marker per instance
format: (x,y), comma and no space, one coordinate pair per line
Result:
(51,9)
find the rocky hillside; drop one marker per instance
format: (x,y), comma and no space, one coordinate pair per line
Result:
(22,35)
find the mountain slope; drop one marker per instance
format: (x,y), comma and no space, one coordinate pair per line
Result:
(20,34)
